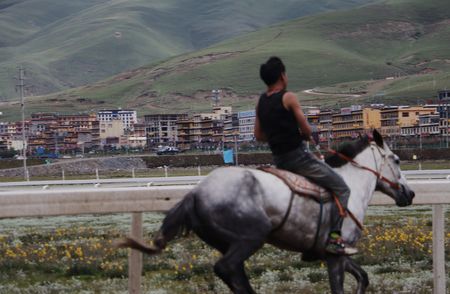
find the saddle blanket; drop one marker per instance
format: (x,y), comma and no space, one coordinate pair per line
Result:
(299,184)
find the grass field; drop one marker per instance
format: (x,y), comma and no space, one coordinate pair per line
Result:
(75,255)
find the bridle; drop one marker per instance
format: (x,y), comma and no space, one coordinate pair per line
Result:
(377,173)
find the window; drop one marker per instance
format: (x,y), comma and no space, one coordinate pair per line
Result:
(405,114)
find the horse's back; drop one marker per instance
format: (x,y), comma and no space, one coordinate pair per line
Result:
(230,201)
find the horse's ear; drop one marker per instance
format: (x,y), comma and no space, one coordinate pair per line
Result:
(378,138)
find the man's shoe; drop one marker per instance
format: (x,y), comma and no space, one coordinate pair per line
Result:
(338,247)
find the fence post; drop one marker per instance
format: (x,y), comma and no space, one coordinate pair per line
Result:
(63,175)
(96,174)
(135,257)
(438,249)
(133,174)
(166,174)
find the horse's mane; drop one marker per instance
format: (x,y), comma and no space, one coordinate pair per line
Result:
(349,149)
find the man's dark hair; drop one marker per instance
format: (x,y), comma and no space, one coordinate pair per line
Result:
(271,71)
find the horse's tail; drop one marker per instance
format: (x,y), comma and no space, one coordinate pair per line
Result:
(177,221)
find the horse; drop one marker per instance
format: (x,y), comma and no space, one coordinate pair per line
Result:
(237,210)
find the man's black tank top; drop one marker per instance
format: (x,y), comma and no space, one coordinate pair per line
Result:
(278,124)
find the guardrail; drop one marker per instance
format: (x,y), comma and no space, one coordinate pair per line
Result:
(410,175)
(146,181)
(137,200)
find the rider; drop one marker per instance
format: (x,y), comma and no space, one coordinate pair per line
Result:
(280,122)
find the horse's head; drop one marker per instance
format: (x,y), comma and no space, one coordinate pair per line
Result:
(391,181)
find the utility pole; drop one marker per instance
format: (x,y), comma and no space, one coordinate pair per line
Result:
(236,148)
(22,106)
(446,125)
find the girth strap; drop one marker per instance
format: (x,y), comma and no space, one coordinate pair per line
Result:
(286,215)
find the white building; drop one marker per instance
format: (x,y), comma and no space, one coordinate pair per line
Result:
(128,117)
(246,125)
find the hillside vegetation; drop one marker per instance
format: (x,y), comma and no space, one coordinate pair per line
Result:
(66,43)
(332,52)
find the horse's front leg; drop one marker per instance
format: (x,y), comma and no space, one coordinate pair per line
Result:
(336,267)
(360,275)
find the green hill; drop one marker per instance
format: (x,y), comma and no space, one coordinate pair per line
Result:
(334,52)
(67,43)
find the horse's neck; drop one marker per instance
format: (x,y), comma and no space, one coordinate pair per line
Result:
(362,185)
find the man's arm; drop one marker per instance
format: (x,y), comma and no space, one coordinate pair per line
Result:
(291,103)
(259,134)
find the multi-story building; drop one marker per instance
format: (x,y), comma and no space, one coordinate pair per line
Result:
(444,95)
(61,133)
(3,136)
(427,125)
(42,121)
(207,130)
(230,128)
(4,127)
(111,129)
(389,121)
(393,119)
(161,129)
(355,120)
(128,117)
(325,126)
(246,125)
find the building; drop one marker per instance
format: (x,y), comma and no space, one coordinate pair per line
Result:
(246,123)
(355,120)
(393,119)
(161,129)
(4,127)
(325,127)
(111,131)
(427,125)
(197,132)
(128,117)
(63,133)
(389,121)
(230,128)
(207,130)
(444,95)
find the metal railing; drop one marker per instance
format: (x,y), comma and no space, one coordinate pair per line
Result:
(136,200)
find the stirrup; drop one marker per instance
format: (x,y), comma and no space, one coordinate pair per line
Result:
(338,247)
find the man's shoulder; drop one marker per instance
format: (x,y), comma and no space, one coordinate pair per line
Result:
(289,94)
(290,97)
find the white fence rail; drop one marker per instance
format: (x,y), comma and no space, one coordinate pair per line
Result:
(410,175)
(136,200)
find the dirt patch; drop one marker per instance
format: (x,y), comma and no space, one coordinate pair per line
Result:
(390,29)
(438,26)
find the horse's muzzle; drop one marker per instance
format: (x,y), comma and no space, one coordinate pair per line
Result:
(405,196)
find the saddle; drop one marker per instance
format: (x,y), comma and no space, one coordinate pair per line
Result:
(303,187)
(299,184)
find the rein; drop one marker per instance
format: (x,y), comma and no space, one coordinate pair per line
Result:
(393,185)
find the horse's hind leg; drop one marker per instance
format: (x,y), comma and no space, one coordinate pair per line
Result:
(336,267)
(230,268)
(360,275)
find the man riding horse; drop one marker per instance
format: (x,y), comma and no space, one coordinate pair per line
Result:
(237,210)
(280,122)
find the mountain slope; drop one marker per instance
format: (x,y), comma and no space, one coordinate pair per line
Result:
(69,43)
(407,39)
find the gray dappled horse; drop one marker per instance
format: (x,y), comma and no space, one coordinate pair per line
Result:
(237,210)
